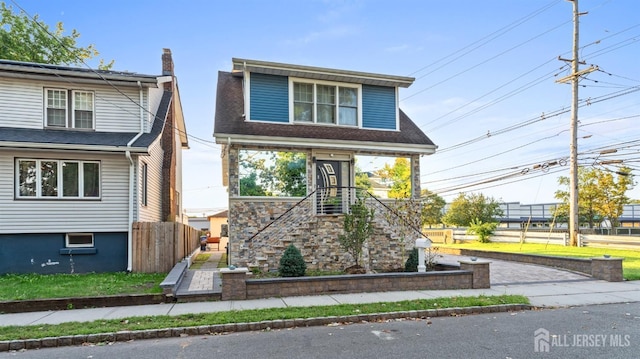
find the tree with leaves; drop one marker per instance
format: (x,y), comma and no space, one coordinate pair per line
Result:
(358,227)
(400,177)
(600,195)
(23,38)
(269,173)
(469,207)
(432,206)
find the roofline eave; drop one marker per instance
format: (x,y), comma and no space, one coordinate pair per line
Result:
(222,138)
(71,147)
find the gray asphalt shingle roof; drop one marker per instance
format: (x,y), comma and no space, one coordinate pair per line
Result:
(46,137)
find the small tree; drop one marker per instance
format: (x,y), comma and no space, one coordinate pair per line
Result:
(358,227)
(482,230)
(291,263)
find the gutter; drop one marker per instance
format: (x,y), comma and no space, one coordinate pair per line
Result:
(131,186)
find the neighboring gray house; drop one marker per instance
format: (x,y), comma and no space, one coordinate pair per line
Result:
(291,136)
(83,155)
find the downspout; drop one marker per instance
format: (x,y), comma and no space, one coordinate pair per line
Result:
(132,185)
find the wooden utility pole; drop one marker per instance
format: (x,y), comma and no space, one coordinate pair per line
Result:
(574,77)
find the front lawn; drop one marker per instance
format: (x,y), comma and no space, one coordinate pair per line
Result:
(47,286)
(630,264)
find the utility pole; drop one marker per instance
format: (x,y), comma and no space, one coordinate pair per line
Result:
(574,77)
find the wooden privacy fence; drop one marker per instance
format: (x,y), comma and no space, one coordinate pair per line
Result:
(158,246)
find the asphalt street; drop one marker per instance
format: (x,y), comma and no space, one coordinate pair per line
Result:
(596,331)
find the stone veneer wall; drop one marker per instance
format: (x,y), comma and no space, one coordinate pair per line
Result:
(315,236)
(358,283)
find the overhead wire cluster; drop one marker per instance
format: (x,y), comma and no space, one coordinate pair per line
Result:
(523,171)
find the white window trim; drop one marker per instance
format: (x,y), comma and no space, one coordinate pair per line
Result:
(60,182)
(69,111)
(93,109)
(358,87)
(69,245)
(46,107)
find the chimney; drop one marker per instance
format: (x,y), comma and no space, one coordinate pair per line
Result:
(167,63)
(168,143)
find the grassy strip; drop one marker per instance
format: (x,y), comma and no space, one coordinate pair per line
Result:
(630,264)
(200,260)
(247,316)
(223,261)
(45,286)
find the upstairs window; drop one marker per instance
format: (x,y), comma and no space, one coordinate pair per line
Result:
(69,109)
(57,179)
(325,103)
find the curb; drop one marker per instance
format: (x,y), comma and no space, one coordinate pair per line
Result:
(124,336)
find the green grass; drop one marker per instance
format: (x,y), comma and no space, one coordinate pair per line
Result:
(223,261)
(199,261)
(630,264)
(247,316)
(41,286)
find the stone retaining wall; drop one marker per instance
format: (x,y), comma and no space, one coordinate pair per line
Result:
(609,269)
(236,286)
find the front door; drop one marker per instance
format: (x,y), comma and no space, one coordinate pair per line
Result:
(329,187)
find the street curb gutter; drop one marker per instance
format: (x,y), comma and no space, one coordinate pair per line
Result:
(124,336)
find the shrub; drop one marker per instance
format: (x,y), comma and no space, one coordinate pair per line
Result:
(411,265)
(291,263)
(482,230)
(358,227)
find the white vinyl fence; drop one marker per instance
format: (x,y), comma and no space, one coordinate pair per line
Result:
(546,237)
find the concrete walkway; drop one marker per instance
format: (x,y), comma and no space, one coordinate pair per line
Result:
(206,279)
(545,287)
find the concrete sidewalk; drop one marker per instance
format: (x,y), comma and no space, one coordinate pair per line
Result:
(545,287)
(555,294)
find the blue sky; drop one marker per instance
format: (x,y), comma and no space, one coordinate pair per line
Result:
(485,89)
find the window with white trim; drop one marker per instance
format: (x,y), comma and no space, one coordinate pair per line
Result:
(325,103)
(57,179)
(69,109)
(79,240)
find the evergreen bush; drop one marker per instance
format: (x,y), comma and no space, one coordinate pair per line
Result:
(291,263)
(411,265)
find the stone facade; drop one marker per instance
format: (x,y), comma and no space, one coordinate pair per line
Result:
(260,228)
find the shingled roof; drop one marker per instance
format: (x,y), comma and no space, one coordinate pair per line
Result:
(88,140)
(230,125)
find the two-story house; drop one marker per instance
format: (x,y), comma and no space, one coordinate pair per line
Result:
(83,154)
(291,138)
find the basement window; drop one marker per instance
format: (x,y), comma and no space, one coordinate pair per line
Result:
(79,240)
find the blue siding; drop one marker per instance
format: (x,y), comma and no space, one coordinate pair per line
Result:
(269,98)
(379,107)
(46,254)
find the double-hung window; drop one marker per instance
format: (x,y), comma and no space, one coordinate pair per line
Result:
(69,109)
(325,103)
(57,179)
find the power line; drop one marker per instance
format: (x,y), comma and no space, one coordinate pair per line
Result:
(483,62)
(481,42)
